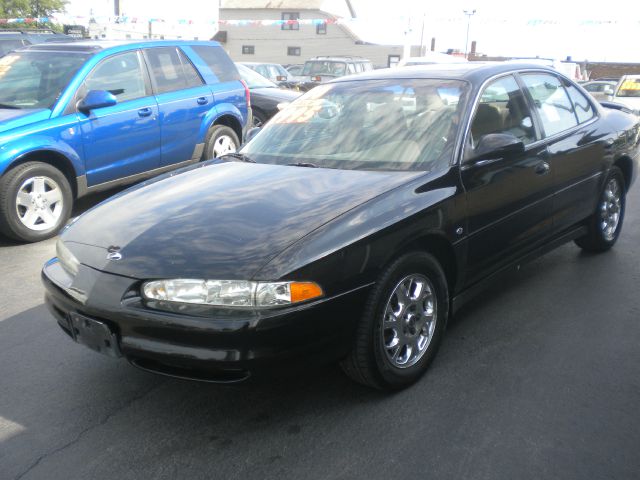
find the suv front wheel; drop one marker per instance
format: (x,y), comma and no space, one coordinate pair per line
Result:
(35,202)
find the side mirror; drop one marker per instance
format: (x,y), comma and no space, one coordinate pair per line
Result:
(96,99)
(497,145)
(251,133)
(608,90)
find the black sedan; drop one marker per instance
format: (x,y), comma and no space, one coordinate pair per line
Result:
(265,95)
(350,228)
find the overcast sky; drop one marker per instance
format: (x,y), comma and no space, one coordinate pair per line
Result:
(500,27)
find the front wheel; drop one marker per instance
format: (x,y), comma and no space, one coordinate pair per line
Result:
(220,140)
(35,202)
(605,224)
(402,325)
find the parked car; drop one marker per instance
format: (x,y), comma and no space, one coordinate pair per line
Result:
(14,39)
(273,71)
(349,228)
(265,95)
(80,117)
(600,90)
(627,93)
(295,69)
(318,70)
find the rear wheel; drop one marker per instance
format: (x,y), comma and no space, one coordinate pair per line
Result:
(402,325)
(220,140)
(35,202)
(605,224)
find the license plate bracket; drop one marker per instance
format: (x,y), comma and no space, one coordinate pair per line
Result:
(94,334)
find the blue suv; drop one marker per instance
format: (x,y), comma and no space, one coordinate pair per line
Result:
(80,117)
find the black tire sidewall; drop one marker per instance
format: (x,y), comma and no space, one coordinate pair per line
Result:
(13,226)
(416,263)
(214,133)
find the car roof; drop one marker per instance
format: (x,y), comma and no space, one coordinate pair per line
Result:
(472,71)
(103,45)
(338,58)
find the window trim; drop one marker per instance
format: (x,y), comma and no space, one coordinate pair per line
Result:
(72,106)
(292,26)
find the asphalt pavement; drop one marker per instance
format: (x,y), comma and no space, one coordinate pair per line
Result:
(539,378)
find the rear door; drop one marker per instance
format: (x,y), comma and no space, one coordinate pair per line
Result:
(576,147)
(183,101)
(509,199)
(124,139)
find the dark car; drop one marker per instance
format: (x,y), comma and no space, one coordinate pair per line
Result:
(13,39)
(376,206)
(273,71)
(265,95)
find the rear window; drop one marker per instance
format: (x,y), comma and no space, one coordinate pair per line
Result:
(219,62)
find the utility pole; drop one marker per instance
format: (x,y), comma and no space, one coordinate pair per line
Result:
(469,14)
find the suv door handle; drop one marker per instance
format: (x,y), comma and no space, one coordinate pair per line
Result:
(202,101)
(542,168)
(144,112)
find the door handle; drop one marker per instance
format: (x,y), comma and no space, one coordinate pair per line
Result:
(144,112)
(542,168)
(202,101)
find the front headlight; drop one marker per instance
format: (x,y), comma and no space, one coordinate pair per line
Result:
(231,293)
(70,263)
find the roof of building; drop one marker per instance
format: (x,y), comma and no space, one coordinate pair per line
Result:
(277,4)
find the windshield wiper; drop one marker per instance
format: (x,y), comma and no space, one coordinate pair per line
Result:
(12,107)
(239,156)
(303,164)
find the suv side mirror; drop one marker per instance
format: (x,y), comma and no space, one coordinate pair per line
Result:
(96,99)
(497,145)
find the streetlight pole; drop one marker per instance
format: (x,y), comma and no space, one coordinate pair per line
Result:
(469,14)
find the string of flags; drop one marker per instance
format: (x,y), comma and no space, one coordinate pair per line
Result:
(302,21)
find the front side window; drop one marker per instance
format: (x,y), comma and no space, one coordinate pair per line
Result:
(502,109)
(36,79)
(582,106)
(552,102)
(399,124)
(290,20)
(121,75)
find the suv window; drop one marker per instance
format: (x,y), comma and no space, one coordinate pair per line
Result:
(551,101)
(503,109)
(192,77)
(582,106)
(121,75)
(218,61)
(168,70)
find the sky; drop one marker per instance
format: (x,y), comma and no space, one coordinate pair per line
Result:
(499,27)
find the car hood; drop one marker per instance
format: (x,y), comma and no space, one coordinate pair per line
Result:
(277,94)
(220,221)
(10,118)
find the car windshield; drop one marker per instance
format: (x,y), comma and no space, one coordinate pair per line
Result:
(629,88)
(253,79)
(36,79)
(323,67)
(408,124)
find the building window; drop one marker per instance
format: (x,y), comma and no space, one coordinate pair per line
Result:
(393,60)
(295,51)
(321,29)
(248,49)
(290,20)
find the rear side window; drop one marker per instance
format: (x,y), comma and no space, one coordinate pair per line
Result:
(169,71)
(218,61)
(552,103)
(582,106)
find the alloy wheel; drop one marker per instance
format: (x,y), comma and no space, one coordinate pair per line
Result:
(610,209)
(224,144)
(39,203)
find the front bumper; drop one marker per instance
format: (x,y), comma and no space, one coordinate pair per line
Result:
(203,343)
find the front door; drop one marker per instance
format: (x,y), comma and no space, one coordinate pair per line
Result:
(124,139)
(509,199)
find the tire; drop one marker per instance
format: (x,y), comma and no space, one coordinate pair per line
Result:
(371,361)
(217,136)
(35,202)
(605,224)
